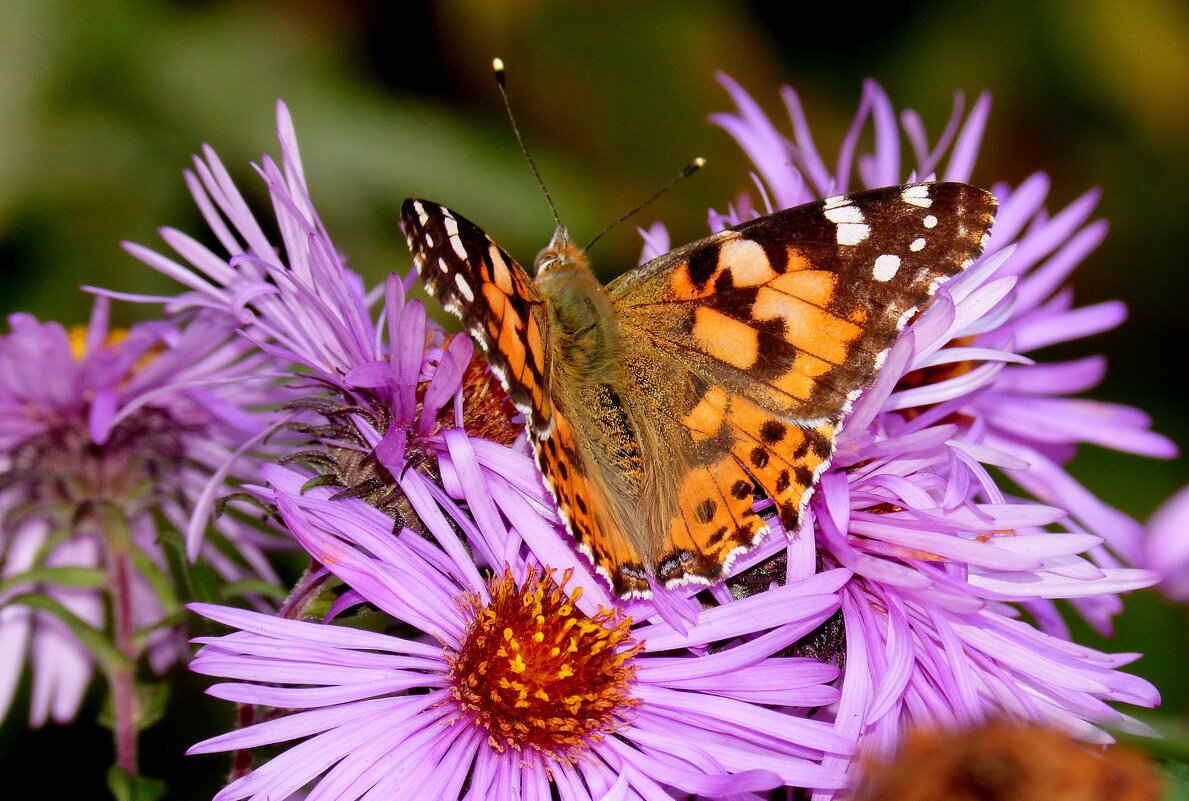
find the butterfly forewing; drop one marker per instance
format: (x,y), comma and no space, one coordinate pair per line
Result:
(475,279)
(794,310)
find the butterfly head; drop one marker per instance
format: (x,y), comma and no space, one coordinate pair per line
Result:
(561,256)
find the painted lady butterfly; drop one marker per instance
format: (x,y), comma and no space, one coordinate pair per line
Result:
(662,405)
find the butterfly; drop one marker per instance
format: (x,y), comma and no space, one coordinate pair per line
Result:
(662,406)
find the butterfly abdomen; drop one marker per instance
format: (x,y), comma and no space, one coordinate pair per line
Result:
(588,350)
(620,441)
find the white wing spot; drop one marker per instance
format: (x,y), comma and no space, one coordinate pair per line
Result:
(852,233)
(456,243)
(464,288)
(843,214)
(917,245)
(917,195)
(450,224)
(429,243)
(885,267)
(849,219)
(930,221)
(422,217)
(443,265)
(834,201)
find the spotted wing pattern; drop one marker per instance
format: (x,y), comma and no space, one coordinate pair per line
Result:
(740,356)
(475,279)
(781,322)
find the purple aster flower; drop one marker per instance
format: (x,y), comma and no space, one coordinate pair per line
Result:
(104,435)
(1166,547)
(945,561)
(522,686)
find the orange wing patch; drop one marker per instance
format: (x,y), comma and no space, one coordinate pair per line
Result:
(725,338)
(584,512)
(715,519)
(736,262)
(766,456)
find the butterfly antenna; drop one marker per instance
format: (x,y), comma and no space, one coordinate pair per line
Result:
(689,170)
(497,65)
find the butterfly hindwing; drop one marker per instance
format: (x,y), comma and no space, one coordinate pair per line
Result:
(718,452)
(588,506)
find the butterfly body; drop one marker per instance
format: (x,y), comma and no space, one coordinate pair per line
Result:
(663,405)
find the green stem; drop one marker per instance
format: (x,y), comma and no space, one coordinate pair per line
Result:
(121,677)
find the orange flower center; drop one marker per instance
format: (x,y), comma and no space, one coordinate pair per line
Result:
(536,672)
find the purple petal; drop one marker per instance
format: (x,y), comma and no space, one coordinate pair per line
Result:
(809,160)
(1166,548)
(370,375)
(885,166)
(1010,584)
(1054,378)
(1074,324)
(102,412)
(965,153)
(446,381)
(814,602)
(1017,207)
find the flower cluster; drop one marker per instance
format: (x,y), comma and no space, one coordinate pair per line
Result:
(105,435)
(505,669)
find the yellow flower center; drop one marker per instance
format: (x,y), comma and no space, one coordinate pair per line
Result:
(78,339)
(536,672)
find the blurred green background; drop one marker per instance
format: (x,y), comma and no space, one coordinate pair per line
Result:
(103,101)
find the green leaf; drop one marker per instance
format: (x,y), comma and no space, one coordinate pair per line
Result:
(162,586)
(154,701)
(56,537)
(1176,778)
(238,589)
(106,653)
(205,582)
(197,581)
(127,786)
(152,697)
(65,576)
